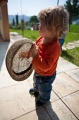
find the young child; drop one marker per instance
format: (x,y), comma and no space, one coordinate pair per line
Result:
(54,23)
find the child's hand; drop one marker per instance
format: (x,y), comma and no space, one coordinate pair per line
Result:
(24,54)
(31,53)
(34,50)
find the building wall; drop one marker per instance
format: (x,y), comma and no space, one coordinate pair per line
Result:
(0,26)
(4,24)
(0,22)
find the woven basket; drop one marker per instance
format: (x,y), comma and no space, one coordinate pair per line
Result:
(12,57)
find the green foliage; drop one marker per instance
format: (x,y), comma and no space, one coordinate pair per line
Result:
(33,20)
(13,22)
(73,8)
(17,21)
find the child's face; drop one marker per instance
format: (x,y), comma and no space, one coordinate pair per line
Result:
(44,32)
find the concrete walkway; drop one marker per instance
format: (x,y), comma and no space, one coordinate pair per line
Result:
(71,45)
(17,104)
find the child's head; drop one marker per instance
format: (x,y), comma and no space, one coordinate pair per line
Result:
(56,20)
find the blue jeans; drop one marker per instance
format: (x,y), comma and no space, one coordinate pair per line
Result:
(43,85)
(61,41)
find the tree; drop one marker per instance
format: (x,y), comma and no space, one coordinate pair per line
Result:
(13,22)
(17,21)
(73,8)
(76,8)
(33,20)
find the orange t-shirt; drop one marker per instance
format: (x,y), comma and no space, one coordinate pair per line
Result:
(45,61)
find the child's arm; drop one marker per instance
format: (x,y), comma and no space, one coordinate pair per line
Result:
(34,50)
(49,60)
(31,53)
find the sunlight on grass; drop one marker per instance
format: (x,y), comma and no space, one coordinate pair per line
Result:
(33,35)
(74,28)
(71,36)
(71,55)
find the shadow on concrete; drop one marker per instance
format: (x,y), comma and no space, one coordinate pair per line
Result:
(49,111)
(3,50)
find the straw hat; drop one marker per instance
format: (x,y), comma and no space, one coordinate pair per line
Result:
(19,69)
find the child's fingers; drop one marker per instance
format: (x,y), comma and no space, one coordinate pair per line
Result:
(21,55)
(24,54)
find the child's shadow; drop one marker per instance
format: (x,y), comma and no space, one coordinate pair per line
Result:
(46,113)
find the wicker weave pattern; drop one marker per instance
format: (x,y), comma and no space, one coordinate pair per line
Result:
(15,65)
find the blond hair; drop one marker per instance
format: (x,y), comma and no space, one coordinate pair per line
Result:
(57,17)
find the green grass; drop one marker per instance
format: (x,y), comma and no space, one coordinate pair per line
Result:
(71,55)
(33,35)
(74,28)
(73,34)
(71,37)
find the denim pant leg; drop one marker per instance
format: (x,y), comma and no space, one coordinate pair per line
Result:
(45,87)
(61,41)
(35,82)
